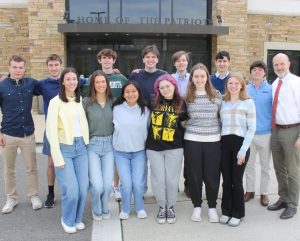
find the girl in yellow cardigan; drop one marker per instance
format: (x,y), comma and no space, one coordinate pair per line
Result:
(68,134)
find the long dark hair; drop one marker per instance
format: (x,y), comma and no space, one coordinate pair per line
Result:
(93,93)
(159,99)
(62,91)
(140,100)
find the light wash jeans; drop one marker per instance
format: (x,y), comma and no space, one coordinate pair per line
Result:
(101,172)
(131,169)
(73,181)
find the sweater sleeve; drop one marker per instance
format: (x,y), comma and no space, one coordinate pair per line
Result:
(251,128)
(52,133)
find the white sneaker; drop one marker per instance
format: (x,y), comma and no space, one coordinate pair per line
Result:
(234,222)
(96,217)
(9,205)
(68,229)
(196,216)
(106,216)
(80,226)
(36,202)
(117,194)
(123,215)
(224,219)
(213,216)
(142,214)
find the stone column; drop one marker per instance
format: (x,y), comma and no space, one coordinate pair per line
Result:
(44,38)
(13,36)
(234,14)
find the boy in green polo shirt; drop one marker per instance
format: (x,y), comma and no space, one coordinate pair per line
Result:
(107,58)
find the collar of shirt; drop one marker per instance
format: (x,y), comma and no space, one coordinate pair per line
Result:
(182,77)
(222,76)
(13,81)
(260,85)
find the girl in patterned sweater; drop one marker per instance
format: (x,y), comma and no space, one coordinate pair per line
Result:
(202,141)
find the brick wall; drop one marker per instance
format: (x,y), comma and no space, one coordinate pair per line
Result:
(44,38)
(266,28)
(234,15)
(13,36)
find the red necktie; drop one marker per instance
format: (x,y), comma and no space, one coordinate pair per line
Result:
(275,103)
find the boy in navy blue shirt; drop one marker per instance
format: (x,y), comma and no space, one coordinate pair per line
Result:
(49,88)
(222,62)
(147,76)
(17,131)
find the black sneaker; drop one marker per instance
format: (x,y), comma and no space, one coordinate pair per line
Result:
(49,203)
(161,215)
(171,215)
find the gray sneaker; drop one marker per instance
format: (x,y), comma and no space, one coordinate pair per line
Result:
(9,205)
(171,215)
(161,215)
(36,202)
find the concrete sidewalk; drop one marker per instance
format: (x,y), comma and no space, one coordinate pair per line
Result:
(259,223)
(24,224)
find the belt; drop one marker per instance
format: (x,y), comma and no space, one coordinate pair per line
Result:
(287,126)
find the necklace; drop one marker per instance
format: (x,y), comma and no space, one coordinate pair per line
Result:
(102,103)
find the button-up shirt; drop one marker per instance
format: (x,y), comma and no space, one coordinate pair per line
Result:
(288,108)
(16,104)
(182,81)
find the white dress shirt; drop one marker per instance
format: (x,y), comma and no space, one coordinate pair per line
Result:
(288,108)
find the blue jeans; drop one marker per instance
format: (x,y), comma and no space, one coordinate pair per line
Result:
(73,181)
(101,172)
(131,169)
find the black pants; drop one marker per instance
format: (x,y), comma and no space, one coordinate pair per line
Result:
(233,192)
(203,165)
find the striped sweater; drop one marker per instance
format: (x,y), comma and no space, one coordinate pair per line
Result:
(239,119)
(203,124)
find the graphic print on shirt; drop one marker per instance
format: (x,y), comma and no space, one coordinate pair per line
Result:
(164,123)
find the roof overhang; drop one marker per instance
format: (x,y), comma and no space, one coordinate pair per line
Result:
(142,28)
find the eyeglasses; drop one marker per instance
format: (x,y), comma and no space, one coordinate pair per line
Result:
(165,87)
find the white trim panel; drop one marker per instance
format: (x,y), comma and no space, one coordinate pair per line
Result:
(274,7)
(13,3)
(279,46)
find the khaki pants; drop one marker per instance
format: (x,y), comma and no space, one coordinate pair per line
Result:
(260,145)
(9,152)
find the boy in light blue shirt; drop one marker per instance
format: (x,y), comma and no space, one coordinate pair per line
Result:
(261,93)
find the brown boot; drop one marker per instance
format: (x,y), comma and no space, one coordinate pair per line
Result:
(264,200)
(248,196)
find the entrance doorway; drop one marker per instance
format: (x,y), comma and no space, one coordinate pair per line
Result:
(83,48)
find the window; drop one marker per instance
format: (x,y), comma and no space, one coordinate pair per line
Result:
(294,57)
(139,11)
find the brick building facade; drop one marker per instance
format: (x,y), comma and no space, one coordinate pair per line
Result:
(31,30)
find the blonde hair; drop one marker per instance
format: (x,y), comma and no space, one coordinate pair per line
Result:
(243,92)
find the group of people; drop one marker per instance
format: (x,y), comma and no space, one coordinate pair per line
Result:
(214,124)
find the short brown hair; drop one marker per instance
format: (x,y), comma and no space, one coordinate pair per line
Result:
(243,92)
(259,64)
(16,58)
(53,57)
(178,54)
(107,53)
(150,48)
